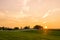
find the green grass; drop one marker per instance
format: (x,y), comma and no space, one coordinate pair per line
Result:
(29,35)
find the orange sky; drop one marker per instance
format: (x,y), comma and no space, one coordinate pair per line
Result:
(30,12)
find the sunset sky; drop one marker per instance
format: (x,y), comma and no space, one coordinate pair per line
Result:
(30,12)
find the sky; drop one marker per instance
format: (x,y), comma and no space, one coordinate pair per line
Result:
(30,12)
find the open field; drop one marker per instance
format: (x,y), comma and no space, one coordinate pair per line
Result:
(29,35)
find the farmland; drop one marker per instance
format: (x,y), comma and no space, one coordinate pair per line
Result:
(29,35)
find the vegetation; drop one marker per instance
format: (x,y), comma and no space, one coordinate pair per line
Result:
(17,34)
(16,28)
(38,27)
(26,27)
(30,35)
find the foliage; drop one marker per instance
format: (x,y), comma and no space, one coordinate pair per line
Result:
(27,27)
(38,27)
(16,28)
(32,35)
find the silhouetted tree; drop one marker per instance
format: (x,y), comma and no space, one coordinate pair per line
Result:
(38,27)
(9,29)
(0,28)
(27,27)
(16,28)
(3,28)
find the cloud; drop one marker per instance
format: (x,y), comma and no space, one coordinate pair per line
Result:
(46,14)
(50,12)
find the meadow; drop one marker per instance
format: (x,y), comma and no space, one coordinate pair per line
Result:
(29,34)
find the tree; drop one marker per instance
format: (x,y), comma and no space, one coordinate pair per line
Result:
(16,28)
(38,27)
(9,29)
(27,27)
(0,28)
(3,28)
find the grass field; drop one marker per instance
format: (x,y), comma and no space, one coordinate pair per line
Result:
(29,35)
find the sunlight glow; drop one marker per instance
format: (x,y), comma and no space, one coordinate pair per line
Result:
(30,12)
(46,27)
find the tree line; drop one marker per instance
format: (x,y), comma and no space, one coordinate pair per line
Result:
(38,27)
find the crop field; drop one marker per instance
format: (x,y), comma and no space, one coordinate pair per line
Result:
(29,35)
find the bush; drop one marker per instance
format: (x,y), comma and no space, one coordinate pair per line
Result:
(38,27)
(16,28)
(27,27)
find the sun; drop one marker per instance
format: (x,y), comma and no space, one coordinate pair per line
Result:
(45,27)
